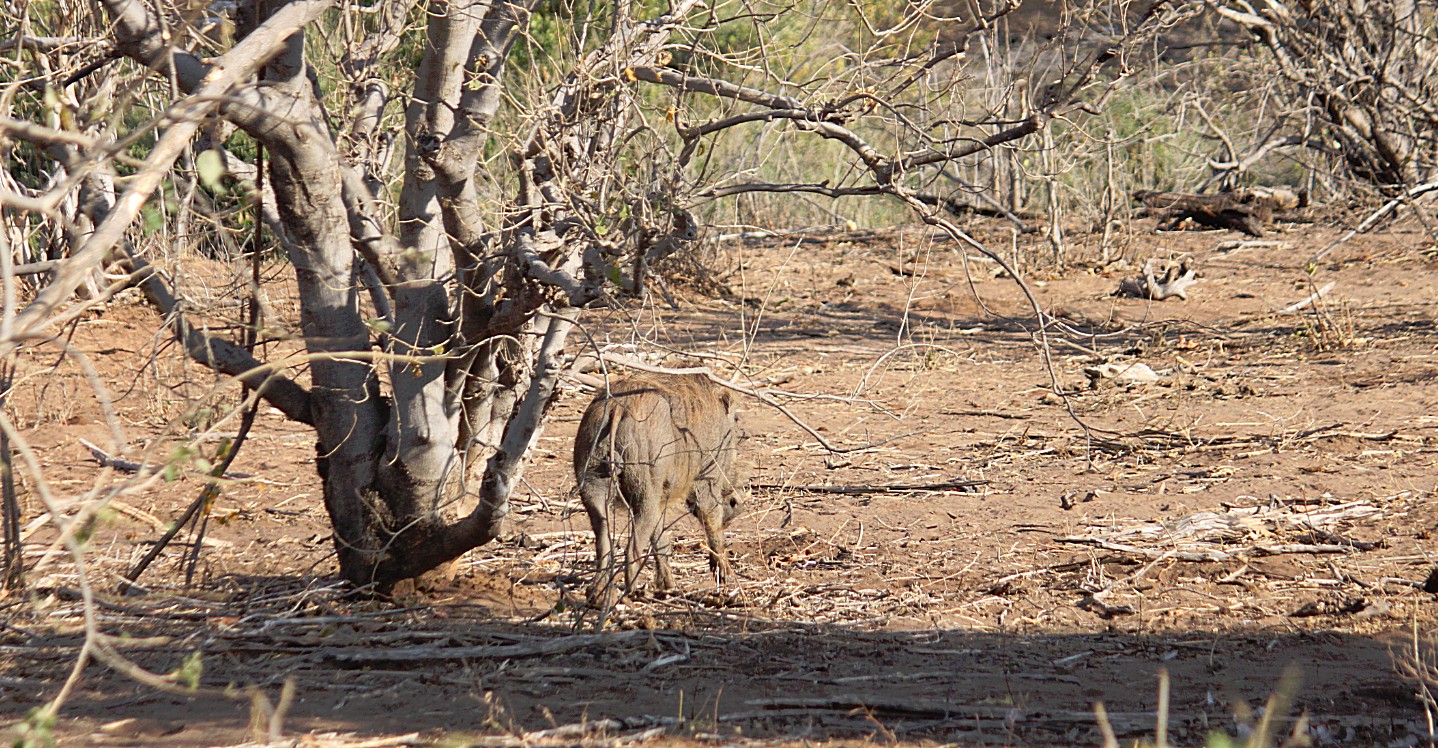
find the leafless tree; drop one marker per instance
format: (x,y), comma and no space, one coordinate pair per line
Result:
(1368,69)
(438,287)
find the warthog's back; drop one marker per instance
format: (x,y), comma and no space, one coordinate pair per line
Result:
(656,432)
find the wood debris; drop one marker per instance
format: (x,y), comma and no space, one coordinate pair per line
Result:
(1135,372)
(1239,532)
(1242,210)
(1160,280)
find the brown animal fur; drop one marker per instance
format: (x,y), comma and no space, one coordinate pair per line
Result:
(653,441)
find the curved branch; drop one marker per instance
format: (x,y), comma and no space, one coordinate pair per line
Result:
(713,86)
(391,27)
(221,355)
(530,257)
(427,546)
(371,238)
(714,193)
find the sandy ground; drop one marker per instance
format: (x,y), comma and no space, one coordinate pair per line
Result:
(1256,520)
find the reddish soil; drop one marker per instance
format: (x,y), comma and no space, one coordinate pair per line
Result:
(1257,520)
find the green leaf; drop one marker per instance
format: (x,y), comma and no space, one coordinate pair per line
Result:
(1221,740)
(172,470)
(211,169)
(86,531)
(190,671)
(154,221)
(36,731)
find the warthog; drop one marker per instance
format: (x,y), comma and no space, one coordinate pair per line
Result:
(653,441)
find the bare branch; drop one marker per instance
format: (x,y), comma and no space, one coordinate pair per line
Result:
(522,430)
(1367,71)
(714,87)
(41,135)
(51,43)
(393,15)
(1376,216)
(714,193)
(221,355)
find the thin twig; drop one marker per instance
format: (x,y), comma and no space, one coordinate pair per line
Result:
(1375,217)
(955,485)
(1315,296)
(632,363)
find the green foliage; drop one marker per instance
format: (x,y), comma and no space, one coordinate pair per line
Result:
(190,671)
(37,730)
(211,168)
(1224,740)
(160,209)
(27,162)
(1155,140)
(1165,135)
(103,516)
(181,457)
(825,53)
(555,36)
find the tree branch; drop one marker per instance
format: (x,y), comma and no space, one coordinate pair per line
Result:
(218,354)
(427,546)
(714,193)
(52,43)
(531,258)
(381,41)
(524,428)
(714,87)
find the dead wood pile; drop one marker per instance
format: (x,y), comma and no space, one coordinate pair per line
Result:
(1244,210)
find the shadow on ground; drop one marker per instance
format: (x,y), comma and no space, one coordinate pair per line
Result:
(455,671)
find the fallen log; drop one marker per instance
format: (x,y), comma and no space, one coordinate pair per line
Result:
(1244,210)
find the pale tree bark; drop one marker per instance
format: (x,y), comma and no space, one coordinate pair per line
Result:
(137,32)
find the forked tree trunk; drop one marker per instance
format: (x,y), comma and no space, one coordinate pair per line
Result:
(456,419)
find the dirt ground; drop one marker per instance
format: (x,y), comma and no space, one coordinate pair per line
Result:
(1256,520)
